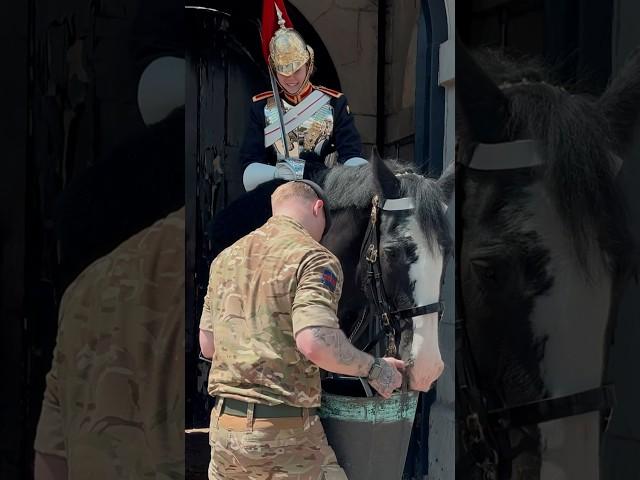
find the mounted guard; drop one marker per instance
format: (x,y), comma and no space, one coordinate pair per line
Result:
(296,128)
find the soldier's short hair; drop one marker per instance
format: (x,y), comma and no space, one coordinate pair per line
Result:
(289,190)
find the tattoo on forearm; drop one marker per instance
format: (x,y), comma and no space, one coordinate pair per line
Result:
(342,350)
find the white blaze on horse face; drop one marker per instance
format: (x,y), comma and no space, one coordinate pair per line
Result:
(571,319)
(425,276)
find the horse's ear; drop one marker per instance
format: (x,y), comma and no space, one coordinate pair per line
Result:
(385,182)
(620,103)
(374,155)
(447,182)
(480,104)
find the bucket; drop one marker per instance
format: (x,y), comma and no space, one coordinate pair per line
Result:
(370,435)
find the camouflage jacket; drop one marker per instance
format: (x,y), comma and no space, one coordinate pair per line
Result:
(262,290)
(114,400)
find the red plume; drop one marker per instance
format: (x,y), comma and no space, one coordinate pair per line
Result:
(270,23)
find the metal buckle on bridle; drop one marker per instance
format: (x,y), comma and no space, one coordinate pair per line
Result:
(375,204)
(372,254)
(391,335)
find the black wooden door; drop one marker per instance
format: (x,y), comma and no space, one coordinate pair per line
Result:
(223,73)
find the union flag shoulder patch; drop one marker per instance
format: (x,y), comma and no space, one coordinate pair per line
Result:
(329,279)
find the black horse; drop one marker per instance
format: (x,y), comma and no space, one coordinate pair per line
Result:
(542,244)
(413,242)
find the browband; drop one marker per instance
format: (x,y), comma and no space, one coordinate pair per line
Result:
(505,156)
(394,204)
(516,154)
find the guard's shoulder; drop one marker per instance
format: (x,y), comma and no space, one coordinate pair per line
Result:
(329,91)
(262,96)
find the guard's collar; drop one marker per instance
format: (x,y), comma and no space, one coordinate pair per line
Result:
(295,99)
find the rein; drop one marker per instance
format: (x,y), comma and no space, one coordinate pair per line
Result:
(392,321)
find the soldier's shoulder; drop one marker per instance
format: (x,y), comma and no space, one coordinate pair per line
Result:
(319,254)
(329,91)
(262,96)
(160,245)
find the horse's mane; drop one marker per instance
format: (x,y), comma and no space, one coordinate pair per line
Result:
(353,187)
(577,144)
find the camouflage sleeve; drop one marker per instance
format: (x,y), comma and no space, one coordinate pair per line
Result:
(206,319)
(317,292)
(50,435)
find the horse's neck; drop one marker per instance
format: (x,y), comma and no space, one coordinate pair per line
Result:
(345,241)
(571,321)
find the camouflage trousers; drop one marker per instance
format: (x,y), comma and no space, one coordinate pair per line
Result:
(270,449)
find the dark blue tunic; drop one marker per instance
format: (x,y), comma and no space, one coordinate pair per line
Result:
(344,139)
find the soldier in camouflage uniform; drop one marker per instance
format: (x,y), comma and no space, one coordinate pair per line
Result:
(269,323)
(113,407)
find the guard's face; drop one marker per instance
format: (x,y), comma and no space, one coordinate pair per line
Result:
(293,82)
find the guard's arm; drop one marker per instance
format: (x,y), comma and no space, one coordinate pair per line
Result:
(253,150)
(347,137)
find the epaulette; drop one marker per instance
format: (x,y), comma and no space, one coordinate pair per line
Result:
(330,92)
(262,96)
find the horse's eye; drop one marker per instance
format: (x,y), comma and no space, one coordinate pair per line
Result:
(392,253)
(485,269)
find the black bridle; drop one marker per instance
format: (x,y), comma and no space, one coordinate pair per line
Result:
(393,321)
(486,440)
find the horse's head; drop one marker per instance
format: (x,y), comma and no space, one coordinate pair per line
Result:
(543,229)
(412,239)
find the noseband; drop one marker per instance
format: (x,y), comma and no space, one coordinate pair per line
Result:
(392,321)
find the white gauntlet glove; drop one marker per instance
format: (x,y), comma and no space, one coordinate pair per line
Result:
(355,162)
(257,173)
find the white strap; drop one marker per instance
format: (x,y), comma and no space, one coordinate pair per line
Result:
(504,156)
(294,117)
(516,154)
(395,204)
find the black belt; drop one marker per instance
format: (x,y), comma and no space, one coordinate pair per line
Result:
(238,408)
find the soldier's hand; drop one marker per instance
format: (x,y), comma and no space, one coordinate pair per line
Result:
(390,376)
